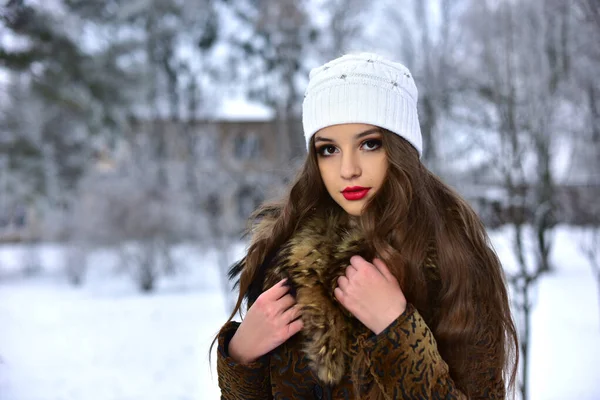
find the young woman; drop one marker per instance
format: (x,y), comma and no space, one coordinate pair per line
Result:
(371,279)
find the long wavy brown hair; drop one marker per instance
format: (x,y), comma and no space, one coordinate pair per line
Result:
(413,211)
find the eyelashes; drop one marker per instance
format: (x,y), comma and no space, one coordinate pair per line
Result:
(375,143)
(328,150)
(322,150)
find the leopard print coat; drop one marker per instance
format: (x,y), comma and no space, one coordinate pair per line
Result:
(403,360)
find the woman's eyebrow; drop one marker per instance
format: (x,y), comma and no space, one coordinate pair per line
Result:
(357,136)
(367,132)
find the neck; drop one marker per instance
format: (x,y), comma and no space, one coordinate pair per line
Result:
(353,221)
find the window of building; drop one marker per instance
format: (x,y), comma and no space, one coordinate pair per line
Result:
(247,146)
(248,199)
(207,145)
(213,205)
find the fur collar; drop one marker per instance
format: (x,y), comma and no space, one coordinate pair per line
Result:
(312,260)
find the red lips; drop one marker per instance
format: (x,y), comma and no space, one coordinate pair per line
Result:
(355,193)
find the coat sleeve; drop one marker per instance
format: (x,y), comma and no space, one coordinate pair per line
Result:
(241,381)
(405,363)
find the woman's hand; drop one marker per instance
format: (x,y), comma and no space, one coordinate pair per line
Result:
(272,319)
(371,293)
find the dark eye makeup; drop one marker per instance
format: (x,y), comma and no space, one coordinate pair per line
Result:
(370,144)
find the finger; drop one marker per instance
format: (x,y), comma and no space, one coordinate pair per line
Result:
(295,327)
(339,295)
(285,302)
(292,314)
(383,269)
(277,291)
(343,282)
(351,271)
(359,263)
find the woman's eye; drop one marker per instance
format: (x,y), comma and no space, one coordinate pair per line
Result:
(372,144)
(327,150)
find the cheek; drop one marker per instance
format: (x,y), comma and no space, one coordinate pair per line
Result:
(327,176)
(383,170)
(379,169)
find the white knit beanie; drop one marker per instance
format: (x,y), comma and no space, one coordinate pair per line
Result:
(362,88)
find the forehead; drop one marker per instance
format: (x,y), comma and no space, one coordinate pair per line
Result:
(344,131)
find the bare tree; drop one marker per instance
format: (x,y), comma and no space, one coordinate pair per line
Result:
(428,38)
(510,159)
(590,247)
(586,160)
(122,208)
(76,262)
(523,47)
(343,27)
(270,46)
(591,14)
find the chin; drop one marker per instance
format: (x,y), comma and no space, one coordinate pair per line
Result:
(354,210)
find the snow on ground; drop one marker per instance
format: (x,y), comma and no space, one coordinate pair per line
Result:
(565,343)
(106,341)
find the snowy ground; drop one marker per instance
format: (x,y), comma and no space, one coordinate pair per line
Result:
(106,341)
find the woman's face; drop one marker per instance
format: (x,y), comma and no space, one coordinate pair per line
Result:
(352,162)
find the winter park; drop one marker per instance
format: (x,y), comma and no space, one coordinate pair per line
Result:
(138,137)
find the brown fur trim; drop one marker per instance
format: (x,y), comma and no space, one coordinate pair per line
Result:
(312,260)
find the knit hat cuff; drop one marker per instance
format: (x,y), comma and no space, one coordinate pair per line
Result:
(365,103)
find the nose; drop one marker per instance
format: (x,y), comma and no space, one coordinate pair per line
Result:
(350,167)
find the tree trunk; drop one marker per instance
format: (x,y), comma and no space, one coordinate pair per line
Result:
(597,267)
(76,264)
(525,341)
